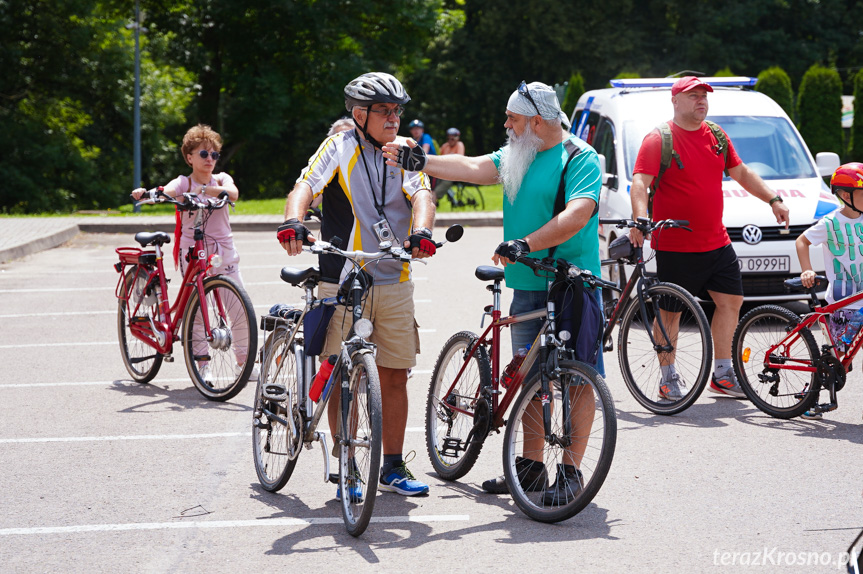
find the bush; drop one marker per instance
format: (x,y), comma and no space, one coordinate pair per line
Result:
(724,73)
(573,92)
(855,146)
(819,109)
(775,83)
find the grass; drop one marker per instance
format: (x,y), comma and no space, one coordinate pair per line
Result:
(492,194)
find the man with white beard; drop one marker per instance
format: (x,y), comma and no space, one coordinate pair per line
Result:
(530,168)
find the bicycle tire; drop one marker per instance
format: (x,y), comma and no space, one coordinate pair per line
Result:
(639,361)
(440,421)
(275,446)
(470,197)
(141,360)
(794,392)
(360,455)
(229,342)
(538,498)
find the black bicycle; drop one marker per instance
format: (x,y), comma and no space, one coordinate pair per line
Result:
(661,324)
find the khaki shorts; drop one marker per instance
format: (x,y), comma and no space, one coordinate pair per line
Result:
(390,308)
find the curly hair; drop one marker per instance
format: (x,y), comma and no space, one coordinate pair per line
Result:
(197,135)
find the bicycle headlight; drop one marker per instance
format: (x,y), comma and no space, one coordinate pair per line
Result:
(363,328)
(215,260)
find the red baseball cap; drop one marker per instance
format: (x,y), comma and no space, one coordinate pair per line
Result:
(687,83)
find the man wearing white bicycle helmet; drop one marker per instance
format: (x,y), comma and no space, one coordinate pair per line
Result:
(363,201)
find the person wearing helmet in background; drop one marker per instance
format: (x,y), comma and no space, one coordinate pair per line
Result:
(368,196)
(418,132)
(842,244)
(453,145)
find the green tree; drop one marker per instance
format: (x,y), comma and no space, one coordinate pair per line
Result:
(724,73)
(819,109)
(855,145)
(573,92)
(775,83)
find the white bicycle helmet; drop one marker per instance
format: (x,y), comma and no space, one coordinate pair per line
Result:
(375,87)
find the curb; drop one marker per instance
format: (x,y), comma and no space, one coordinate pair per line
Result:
(50,241)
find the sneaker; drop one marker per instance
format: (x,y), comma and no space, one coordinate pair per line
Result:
(726,384)
(531,475)
(206,373)
(669,389)
(812,415)
(253,376)
(402,481)
(566,487)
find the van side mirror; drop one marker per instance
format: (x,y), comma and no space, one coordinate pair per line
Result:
(608,179)
(827,162)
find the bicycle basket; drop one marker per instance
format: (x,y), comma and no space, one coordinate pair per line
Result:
(621,248)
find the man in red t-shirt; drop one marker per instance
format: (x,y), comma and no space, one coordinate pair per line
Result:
(702,261)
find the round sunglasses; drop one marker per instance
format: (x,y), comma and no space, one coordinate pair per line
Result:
(213,154)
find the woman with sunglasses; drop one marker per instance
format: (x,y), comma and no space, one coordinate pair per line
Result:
(201,150)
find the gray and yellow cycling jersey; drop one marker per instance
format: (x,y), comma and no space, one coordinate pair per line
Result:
(359,190)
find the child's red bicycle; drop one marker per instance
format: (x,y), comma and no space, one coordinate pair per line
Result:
(219,336)
(778,361)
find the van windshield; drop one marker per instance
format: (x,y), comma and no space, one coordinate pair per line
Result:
(768,145)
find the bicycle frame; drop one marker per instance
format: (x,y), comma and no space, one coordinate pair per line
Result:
(162,335)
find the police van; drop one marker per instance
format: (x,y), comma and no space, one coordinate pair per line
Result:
(615,120)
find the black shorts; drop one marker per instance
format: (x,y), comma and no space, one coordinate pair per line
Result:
(701,272)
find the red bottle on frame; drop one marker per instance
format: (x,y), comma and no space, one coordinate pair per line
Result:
(320,380)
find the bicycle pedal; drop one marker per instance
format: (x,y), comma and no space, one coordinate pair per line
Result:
(334,478)
(168,358)
(259,424)
(452,446)
(826,407)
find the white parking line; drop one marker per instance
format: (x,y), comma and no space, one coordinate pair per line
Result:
(67,344)
(88,383)
(39,530)
(66,313)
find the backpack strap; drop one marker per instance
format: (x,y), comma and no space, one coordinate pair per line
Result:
(667,154)
(721,143)
(560,200)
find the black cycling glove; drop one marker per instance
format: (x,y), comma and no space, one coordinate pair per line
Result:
(422,240)
(514,249)
(293,230)
(412,159)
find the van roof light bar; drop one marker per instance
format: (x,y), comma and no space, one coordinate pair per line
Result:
(735,81)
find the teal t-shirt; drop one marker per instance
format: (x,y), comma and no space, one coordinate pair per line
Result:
(534,206)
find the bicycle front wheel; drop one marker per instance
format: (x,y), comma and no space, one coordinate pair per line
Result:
(220,365)
(141,360)
(457,420)
(277,425)
(360,445)
(552,478)
(672,320)
(781,393)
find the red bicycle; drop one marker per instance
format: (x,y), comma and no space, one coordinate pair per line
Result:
(778,361)
(219,336)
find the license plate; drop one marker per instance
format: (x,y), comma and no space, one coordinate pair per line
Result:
(766,264)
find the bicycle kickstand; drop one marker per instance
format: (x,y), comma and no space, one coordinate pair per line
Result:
(321,438)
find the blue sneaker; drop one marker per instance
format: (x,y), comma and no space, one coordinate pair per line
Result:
(402,481)
(355,492)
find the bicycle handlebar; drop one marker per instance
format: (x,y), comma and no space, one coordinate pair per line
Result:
(645,225)
(190,202)
(563,269)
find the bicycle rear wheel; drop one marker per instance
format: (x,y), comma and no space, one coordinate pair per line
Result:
(556,482)
(277,426)
(141,360)
(360,449)
(783,393)
(683,320)
(220,367)
(454,439)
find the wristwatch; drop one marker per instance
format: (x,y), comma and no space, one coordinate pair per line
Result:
(422,231)
(774,200)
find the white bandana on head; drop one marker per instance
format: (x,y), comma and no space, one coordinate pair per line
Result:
(545,98)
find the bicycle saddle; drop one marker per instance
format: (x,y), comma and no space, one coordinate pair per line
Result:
(796,284)
(488,273)
(156,238)
(296,276)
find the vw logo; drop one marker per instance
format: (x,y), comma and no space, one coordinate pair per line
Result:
(752,234)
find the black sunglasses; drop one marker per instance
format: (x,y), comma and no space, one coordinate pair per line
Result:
(522,90)
(213,154)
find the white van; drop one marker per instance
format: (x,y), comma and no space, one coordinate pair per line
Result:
(615,120)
